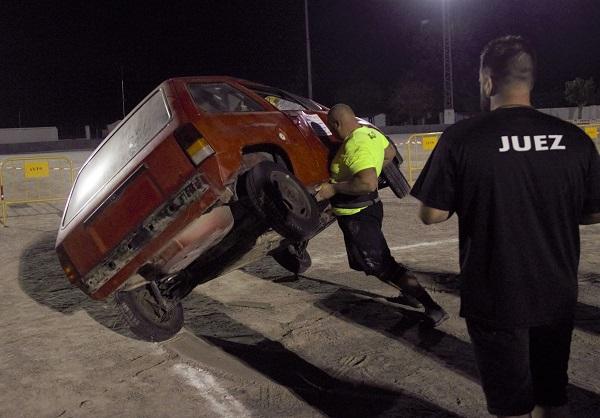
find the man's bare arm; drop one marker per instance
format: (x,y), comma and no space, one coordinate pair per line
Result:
(363,182)
(431,215)
(590,218)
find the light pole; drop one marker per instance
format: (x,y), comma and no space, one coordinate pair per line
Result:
(308,63)
(122,92)
(448,88)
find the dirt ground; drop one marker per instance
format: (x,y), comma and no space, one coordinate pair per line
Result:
(259,342)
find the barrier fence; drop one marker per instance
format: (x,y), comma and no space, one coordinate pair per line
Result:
(593,131)
(39,179)
(418,148)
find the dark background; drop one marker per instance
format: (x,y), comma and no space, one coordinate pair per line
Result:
(61,61)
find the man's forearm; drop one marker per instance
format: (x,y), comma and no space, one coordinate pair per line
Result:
(430,215)
(355,187)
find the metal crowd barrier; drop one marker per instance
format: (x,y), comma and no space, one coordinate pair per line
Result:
(593,131)
(37,179)
(419,147)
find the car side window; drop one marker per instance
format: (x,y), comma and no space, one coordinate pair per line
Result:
(222,98)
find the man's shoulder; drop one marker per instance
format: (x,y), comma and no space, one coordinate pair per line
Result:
(557,122)
(469,124)
(365,136)
(489,120)
(463,128)
(366,132)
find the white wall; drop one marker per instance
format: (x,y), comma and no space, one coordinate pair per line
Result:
(589,113)
(19,135)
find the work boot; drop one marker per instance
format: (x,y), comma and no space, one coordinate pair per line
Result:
(436,316)
(434,312)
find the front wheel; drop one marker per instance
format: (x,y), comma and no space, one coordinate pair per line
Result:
(392,176)
(282,201)
(146,316)
(395,180)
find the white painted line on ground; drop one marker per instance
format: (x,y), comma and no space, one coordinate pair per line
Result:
(425,244)
(221,402)
(397,248)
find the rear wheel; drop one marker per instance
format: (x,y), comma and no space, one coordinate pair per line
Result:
(147,317)
(282,201)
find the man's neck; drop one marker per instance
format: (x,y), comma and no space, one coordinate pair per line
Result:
(352,129)
(510,100)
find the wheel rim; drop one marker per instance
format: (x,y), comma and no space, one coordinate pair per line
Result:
(292,196)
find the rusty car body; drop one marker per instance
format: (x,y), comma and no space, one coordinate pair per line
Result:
(204,175)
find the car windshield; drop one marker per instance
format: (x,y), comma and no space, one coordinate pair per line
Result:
(222,98)
(121,146)
(283,100)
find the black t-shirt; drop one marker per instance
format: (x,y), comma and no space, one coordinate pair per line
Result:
(519,181)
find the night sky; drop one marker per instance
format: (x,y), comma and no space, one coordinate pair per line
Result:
(62,61)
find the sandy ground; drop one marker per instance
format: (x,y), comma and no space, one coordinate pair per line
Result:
(259,342)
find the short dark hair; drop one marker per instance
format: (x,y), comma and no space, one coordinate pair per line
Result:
(511,59)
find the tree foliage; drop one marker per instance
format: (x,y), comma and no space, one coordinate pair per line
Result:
(411,99)
(580,92)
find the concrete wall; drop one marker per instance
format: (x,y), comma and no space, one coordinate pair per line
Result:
(21,135)
(412,129)
(49,146)
(589,113)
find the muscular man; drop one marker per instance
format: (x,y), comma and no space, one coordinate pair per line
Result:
(353,194)
(520,182)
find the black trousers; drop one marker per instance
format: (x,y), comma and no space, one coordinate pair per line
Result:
(366,246)
(522,367)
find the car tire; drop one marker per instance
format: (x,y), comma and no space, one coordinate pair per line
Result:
(139,309)
(293,257)
(282,201)
(395,180)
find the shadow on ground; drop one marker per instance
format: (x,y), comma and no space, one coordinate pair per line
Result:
(332,396)
(405,325)
(42,278)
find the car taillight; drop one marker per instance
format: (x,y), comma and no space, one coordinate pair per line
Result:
(68,268)
(71,273)
(193,143)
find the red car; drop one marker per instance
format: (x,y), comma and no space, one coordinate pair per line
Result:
(205,175)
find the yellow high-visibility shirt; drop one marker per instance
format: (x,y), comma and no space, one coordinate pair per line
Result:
(363,148)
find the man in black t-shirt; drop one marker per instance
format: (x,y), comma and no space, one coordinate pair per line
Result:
(520,182)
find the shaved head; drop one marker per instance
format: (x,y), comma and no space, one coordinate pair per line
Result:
(340,111)
(342,120)
(507,68)
(510,60)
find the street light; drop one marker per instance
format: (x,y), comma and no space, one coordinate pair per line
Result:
(449,116)
(308,63)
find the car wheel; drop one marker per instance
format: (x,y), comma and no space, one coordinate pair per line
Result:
(146,317)
(293,257)
(395,179)
(282,201)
